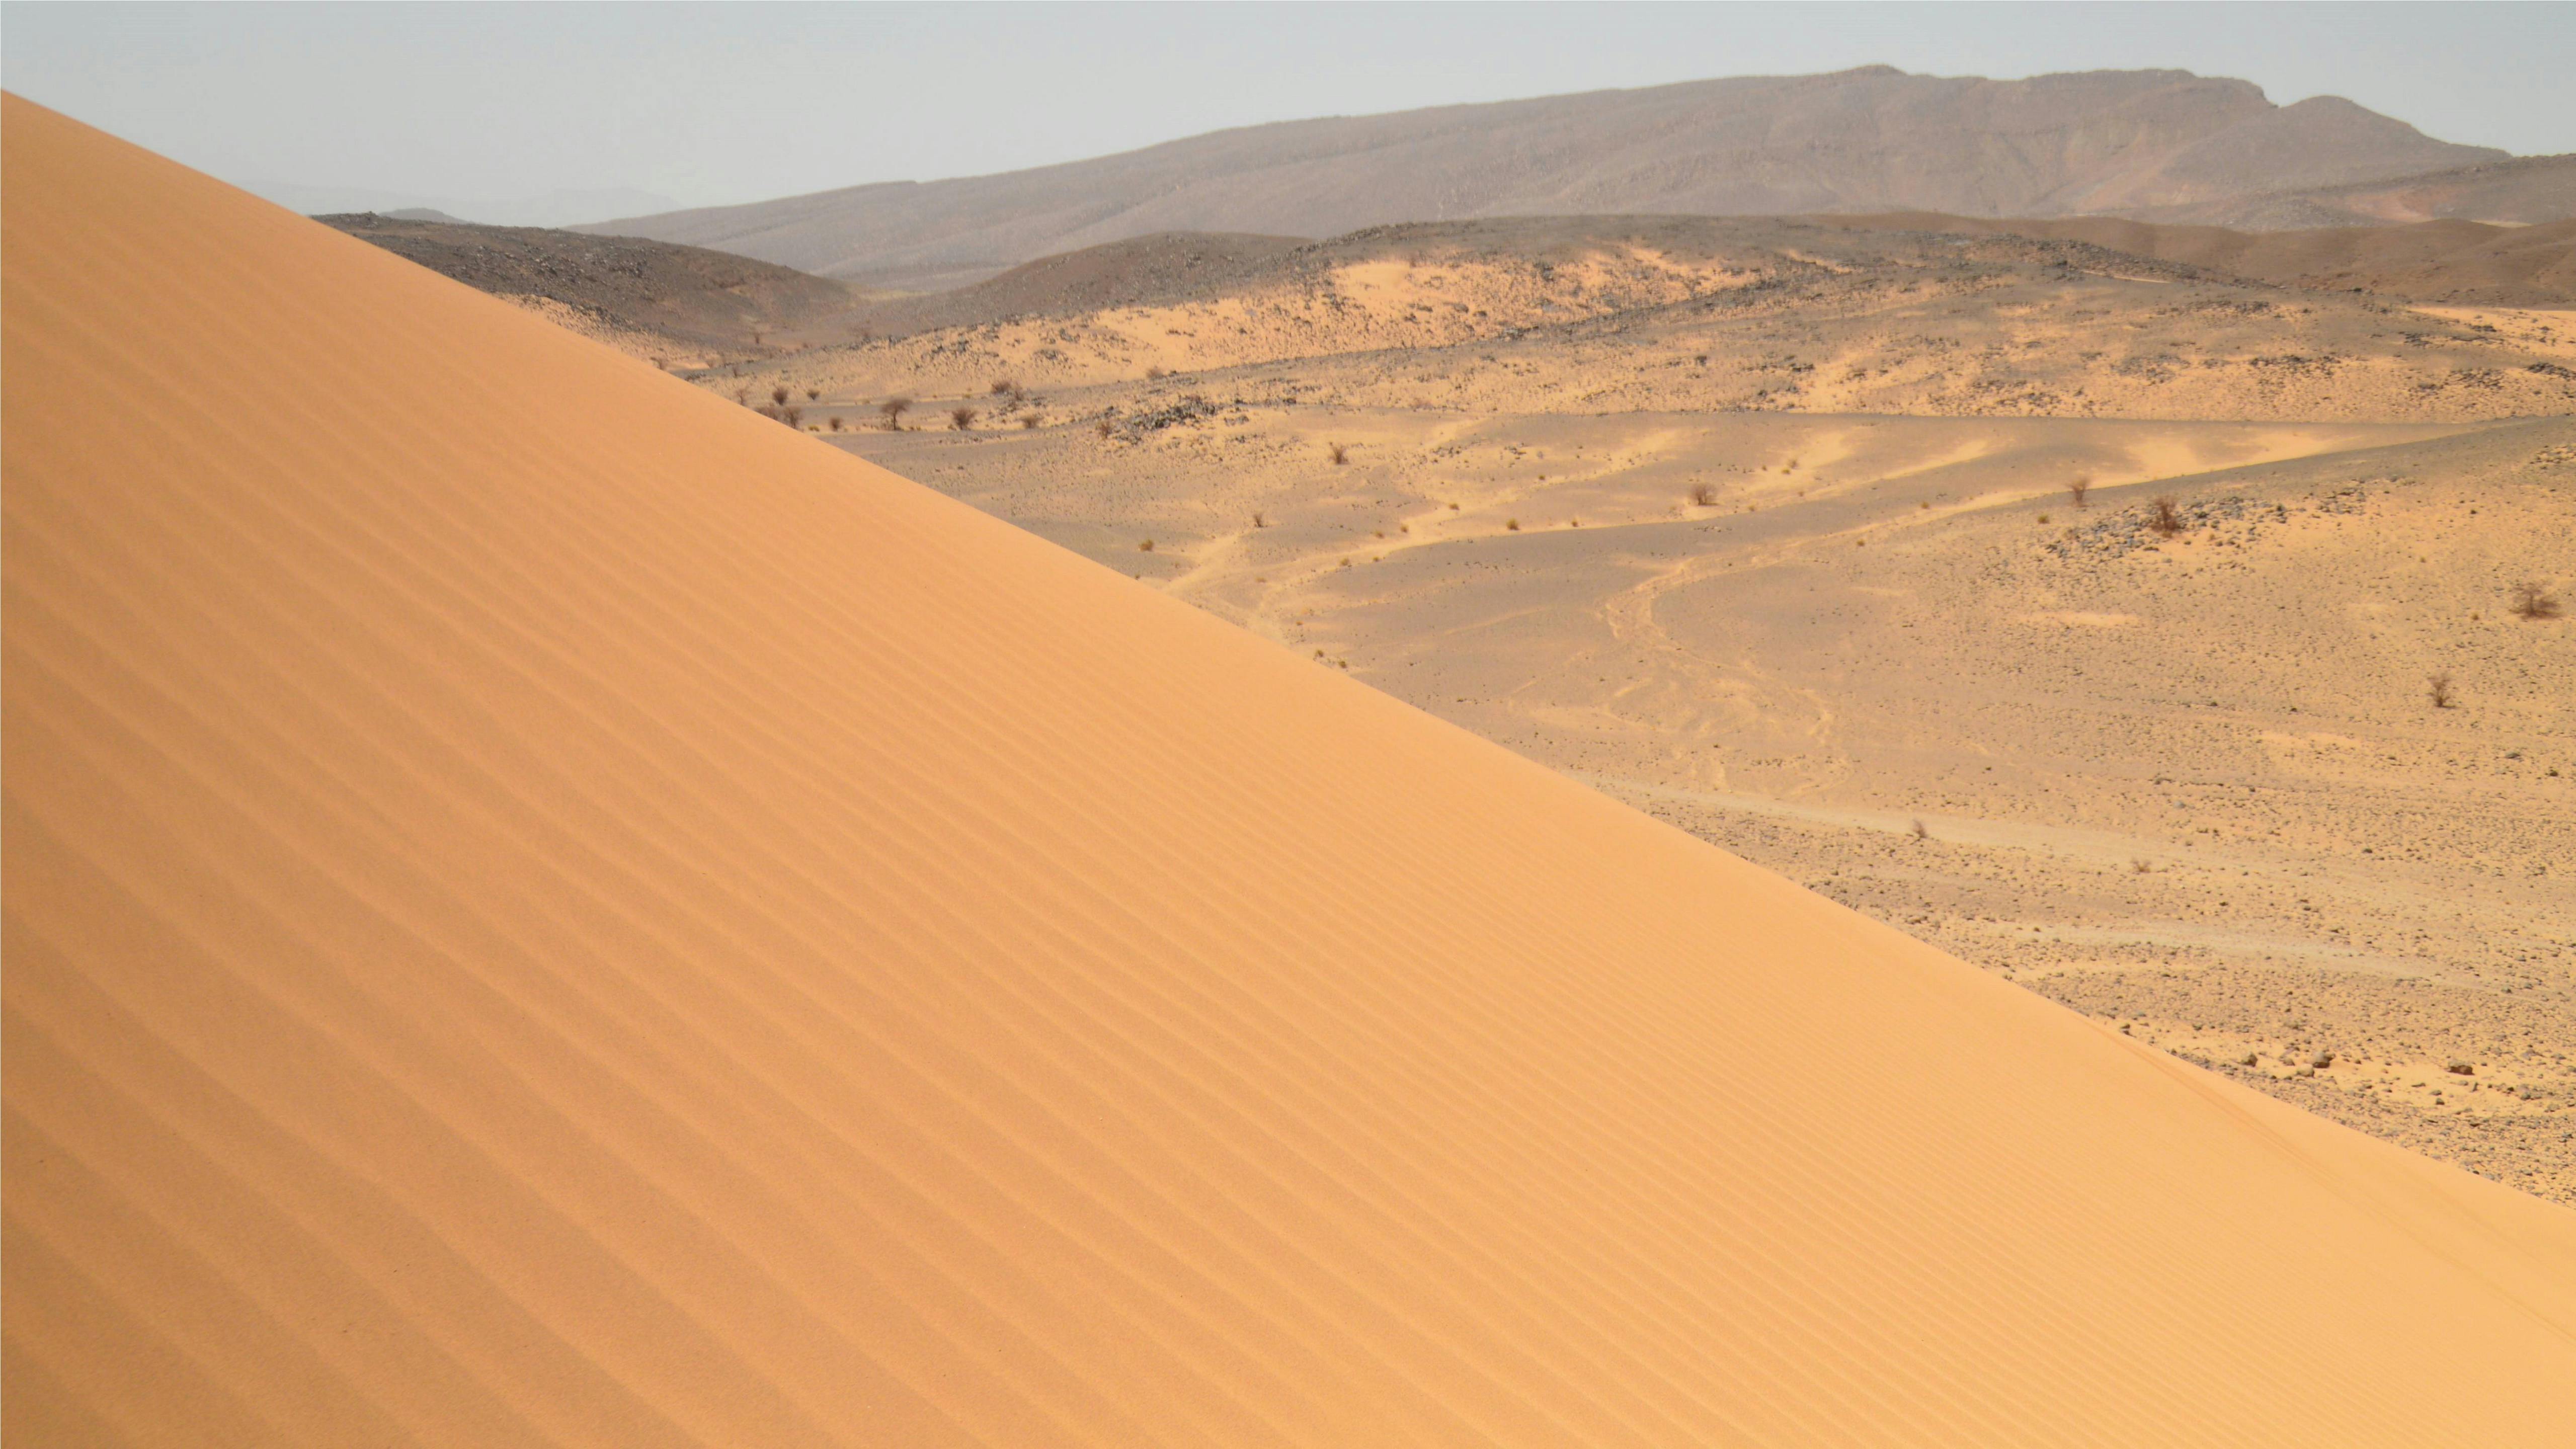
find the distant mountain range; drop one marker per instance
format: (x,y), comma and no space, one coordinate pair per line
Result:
(2164,145)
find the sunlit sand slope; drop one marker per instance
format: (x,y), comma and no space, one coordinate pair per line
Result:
(542,907)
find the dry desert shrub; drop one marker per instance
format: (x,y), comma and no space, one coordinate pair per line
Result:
(1104,427)
(1512,524)
(1920,831)
(813,394)
(1154,374)
(2531,601)
(833,422)
(778,394)
(2168,516)
(742,395)
(1004,387)
(2439,687)
(2077,487)
(893,409)
(1146,547)
(1028,422)
(1341,453)
(1260,522)
(961,418)
(792,417)
(1704,496)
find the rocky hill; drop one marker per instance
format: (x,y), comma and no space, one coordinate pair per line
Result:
(682,305)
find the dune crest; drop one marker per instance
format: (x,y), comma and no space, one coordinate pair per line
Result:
(545,908)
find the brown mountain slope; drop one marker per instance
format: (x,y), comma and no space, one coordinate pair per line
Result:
(543,908)
(686,305)
(1874,139)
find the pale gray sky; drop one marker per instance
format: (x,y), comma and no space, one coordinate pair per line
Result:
(390,104)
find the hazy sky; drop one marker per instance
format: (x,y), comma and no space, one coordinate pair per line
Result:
(738,102)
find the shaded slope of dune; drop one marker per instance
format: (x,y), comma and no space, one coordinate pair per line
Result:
(545,908)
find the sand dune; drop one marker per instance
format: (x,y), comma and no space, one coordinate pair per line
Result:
(543,907)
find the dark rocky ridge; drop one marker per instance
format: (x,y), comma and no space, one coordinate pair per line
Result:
(705,300)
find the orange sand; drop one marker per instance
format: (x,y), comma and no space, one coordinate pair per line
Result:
(545,908)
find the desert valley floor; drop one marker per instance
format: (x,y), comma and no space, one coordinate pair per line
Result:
(1767,530)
